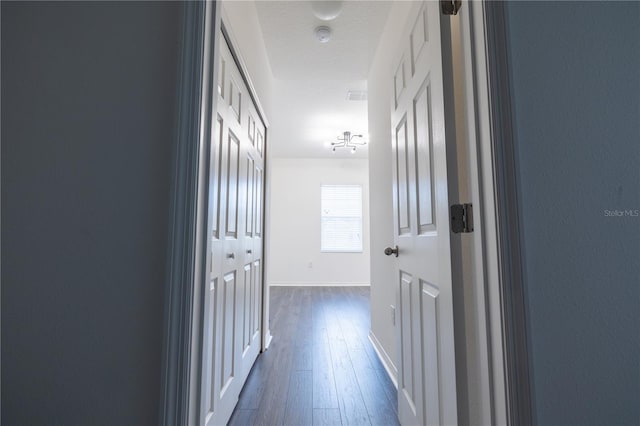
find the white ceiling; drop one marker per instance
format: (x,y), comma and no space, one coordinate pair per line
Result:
(312,78)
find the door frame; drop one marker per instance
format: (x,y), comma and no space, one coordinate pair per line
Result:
(507,240)
(184,271)
(501,306)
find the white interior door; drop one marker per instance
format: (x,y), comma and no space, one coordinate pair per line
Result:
(233,296)
(426,359)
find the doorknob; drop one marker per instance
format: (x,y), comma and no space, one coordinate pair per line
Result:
(248,251)
(231,255)
(389,251)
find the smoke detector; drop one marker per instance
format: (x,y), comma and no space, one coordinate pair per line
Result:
(323,33)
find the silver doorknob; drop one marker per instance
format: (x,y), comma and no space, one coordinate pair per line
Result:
(389,251)
(248,251)
(231,255)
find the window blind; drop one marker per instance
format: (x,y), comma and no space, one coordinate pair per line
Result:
(341,218)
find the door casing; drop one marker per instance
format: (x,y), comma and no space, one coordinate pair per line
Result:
(502,350)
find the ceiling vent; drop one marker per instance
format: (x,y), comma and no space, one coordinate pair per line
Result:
(356,95)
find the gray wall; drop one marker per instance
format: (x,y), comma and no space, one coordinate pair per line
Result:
(88,113)
(576,89)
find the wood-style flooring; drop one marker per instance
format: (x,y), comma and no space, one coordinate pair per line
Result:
(320,368)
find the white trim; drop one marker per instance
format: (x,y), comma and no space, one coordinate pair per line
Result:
(203,244)
(317,284)
(489,228)
(177,364)
(509,311)
(385,359)
(486,366)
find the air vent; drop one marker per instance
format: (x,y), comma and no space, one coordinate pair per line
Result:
(356,95)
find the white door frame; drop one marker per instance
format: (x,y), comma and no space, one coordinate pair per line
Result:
(509,309)
(186,213)
(500,304)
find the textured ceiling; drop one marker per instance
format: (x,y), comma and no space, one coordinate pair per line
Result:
(312,78)
(310,116)
(294,53)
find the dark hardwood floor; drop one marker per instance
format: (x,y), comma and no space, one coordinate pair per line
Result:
(320,368)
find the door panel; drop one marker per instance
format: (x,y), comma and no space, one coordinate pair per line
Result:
(423,147)
(256,300)
(229,332)
(246,302)
(429,295)
(409,387)
(419,38)
(250,202)
(259,200)
(233,184)
(214,184)
(208,341)
(402,178)
(232,304)
(426,370)
(235,98)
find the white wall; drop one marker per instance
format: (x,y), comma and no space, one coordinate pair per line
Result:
(294,256)
(381,197)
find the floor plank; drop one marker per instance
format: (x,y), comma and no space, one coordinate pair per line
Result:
(326,417)
(321,368)
(299,409)
(352,408)
(242,417)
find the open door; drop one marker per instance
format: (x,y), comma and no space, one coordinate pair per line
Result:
(426,358)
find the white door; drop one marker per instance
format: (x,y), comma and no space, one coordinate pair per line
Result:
(426,359)
(233,296)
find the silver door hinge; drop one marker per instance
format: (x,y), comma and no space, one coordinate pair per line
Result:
(461,218)
(450,7)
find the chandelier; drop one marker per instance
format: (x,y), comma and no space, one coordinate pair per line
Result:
(347,141)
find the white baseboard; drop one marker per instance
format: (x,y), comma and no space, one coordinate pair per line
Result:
(392,371)
(316,284)
(267,340)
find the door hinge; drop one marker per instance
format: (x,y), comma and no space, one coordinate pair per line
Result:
(450,7)
(461,218)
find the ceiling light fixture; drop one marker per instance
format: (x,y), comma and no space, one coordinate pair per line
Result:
(346,141)
(323,34)
(326,10)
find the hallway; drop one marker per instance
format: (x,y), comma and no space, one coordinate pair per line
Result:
(320,368)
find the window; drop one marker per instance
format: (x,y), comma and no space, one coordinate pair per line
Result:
(341,218)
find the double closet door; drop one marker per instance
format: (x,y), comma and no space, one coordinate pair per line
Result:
(233,294)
